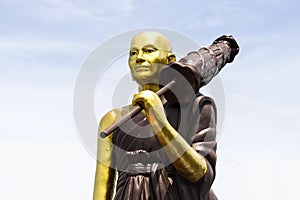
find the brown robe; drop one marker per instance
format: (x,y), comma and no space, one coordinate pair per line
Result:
(144,170)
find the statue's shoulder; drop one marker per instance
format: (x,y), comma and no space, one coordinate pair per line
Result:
(113,115)
(202,100)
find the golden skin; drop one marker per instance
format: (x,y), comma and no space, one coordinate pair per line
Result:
(105,176)
(149,52)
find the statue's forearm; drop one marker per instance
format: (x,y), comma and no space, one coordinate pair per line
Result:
(105,174)
(104,182)
(185,159)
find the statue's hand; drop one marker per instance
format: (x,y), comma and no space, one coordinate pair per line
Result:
(153,107)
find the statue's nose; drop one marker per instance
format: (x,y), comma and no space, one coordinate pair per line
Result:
(140,60)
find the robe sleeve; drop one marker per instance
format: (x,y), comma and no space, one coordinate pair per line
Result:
(204,138)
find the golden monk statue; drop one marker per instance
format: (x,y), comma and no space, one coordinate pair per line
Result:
(168,151)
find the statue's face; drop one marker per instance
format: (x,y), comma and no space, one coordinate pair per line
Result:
(148,55)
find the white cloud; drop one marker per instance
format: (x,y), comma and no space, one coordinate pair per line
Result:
(214,21)
(128,5)
(19,43)
(51,10)
(58,10)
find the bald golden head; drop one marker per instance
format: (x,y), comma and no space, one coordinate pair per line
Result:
(151,37)
(149,52)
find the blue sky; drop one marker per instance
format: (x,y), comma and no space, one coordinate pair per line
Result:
(43,44)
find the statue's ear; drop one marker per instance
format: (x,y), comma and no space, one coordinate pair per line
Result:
(171,58)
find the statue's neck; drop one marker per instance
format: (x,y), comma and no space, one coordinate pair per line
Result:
(152,87)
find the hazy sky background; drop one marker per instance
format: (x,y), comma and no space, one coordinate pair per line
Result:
(44,42)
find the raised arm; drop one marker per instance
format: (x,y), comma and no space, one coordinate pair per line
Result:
(187,161)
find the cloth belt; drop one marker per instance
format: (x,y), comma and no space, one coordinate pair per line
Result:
(145,169)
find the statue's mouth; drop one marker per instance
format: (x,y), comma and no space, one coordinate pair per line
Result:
(141,68)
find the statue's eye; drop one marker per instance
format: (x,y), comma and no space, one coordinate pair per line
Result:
(149,50)
(133,53)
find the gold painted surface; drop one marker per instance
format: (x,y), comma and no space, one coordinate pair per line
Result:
(105,175)
(149,53)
